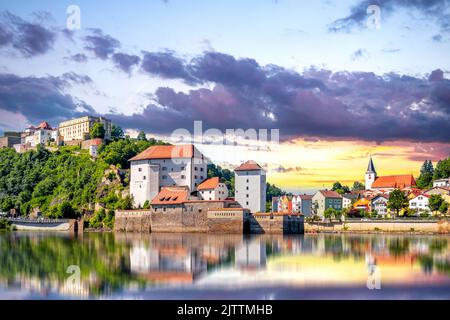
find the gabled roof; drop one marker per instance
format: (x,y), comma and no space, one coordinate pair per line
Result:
(166,152)
(210,183)
(396,181)
(330,194)
(248,166)
(350,196)
(171,195)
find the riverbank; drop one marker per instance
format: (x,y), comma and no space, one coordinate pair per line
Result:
(381,226)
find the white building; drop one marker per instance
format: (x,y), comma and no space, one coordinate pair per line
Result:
(379,204)
(162,166)
(250,186)
(347,200)
(441,183)
(420,203)
(213,189)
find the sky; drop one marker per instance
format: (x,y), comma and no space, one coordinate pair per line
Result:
(336,80)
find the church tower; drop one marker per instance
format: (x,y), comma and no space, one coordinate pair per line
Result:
(371,174)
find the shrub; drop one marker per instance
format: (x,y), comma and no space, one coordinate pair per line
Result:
(97,220)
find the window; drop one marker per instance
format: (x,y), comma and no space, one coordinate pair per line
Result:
(247,188)
(195,168)
(195,177)
(144,178)
(210,191)
(164,177)
(183,177)
(246,203)
(201,169)
(209,198)
(164,168)
(247,195)
(201,177)
(139,169)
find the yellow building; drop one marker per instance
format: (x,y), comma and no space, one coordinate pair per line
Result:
(78,129)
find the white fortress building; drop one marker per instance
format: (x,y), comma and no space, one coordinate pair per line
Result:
(250,186)
(163,166)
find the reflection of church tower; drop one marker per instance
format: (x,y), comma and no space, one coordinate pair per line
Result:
(371,174)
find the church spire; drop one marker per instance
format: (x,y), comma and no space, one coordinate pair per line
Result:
(371,167)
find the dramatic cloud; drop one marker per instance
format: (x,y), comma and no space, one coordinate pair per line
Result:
(165,65)
(319,103)
(79,57)
(28,38)
(102,45)
(436,10)
(125,61)
(41,99)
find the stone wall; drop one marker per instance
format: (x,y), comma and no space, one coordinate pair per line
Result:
(276,224)
(382,226)
(133,221)
(227,221)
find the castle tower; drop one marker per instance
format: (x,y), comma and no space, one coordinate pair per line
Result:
(371,174)
(250,186)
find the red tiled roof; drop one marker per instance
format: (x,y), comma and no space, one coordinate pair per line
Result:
(210,183)
(330,194)
(397,181)
(248,166)
(44,125)
(306,197)
(96,142)
(171,195)
(166,152)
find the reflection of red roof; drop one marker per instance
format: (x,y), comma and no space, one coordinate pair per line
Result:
(171,195)
(248,166)
(211,183)
(166,152)
(397,181)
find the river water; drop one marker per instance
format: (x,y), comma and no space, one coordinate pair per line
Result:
(200,266)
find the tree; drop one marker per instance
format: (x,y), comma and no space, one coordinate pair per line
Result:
(443,208)
(339,188)
(357,186)
(141,136)
(97,131)
(442,169)
(329,213)
(397,201)
(67,211)
(435,202)
(426,175)
(117,132)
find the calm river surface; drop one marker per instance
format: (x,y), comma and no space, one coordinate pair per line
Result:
(199,266)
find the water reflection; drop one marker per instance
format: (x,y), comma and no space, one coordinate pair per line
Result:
(164,266)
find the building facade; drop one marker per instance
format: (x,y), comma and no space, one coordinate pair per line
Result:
(441,183)
(324,199)
(419,203)
(9,139)
(78,129)
(161,166)
(250,186)
(213,189)
(379,204)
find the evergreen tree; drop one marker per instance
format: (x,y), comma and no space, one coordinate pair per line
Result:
(141,136)
(426,175)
